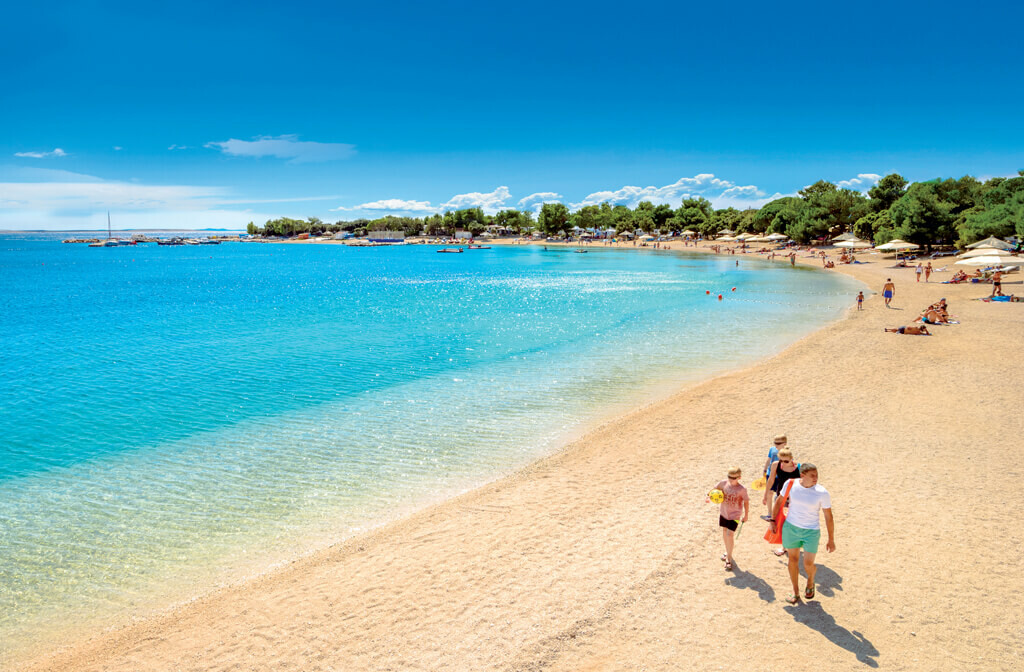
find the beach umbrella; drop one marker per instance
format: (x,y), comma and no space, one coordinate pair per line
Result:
(991,260)
(854,244)
(726,232)
(726,239)
(894,245)
(991,241)
(757,239)
(984,251)
(845,237)
(625,234)
(776,236)
(688,232)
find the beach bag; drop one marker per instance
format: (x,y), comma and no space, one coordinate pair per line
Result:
(776,536)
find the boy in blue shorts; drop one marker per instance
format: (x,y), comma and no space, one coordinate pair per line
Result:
(802,528)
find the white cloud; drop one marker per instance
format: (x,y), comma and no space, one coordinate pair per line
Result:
(41,155)
(51,196)
(490,202)
(539,198)
(117,148)
(285,147)
(863,181)
(174,147)
(721,193)
(391,205)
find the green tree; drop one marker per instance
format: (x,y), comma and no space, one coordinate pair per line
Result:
(251,229)
(553,218)
(695,214)
(778,215)
(888,190)
(1000,212)
(867,226)
(920,216)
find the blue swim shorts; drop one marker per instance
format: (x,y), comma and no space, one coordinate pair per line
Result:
(798,537)
(887,294)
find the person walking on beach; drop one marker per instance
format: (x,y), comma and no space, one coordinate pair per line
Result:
(927,271)
(860,301)
(792,259)
(783,470)
(802,528)
(919,270)
(778,443)
(735,505)
(997,284)
(888,291)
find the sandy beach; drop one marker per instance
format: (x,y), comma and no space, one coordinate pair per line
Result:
(605,556)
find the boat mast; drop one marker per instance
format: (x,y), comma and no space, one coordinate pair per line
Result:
(108,225)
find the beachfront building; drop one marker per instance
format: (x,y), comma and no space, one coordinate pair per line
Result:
(386,236)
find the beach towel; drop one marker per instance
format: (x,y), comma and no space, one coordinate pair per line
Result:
(775,537)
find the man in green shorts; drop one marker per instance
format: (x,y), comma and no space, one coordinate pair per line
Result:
(802,528)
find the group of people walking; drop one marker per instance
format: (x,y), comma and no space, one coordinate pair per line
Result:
(795,503)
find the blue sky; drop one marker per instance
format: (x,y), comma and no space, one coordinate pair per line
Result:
(211,115)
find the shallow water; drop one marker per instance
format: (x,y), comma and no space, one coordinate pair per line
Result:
(174,417)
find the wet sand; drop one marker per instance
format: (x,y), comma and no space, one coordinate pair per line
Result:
(606,557)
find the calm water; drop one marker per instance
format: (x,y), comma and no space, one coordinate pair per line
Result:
(174,417)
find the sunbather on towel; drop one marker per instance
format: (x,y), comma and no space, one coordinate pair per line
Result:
(911,331)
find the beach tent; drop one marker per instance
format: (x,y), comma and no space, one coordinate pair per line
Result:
(984,251)
(993,242)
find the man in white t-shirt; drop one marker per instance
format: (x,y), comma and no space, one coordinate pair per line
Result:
(802,528)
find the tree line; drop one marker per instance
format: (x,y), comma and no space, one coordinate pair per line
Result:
(936,212)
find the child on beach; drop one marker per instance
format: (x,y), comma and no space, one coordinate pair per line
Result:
(735,505)
(860,301)
(778,443)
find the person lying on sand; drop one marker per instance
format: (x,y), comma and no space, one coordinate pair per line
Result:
(931,316)
(911,331)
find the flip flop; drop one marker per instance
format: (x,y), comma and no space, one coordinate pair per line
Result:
(728,566)
(779,554)
(793,599)
(809,593)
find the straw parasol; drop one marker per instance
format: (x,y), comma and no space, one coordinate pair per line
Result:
(844,237)
(993,242)
(688,232)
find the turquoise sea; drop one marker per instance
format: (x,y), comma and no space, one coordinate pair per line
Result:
(178,417)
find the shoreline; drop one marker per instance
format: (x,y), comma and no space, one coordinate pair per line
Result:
(576,477)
